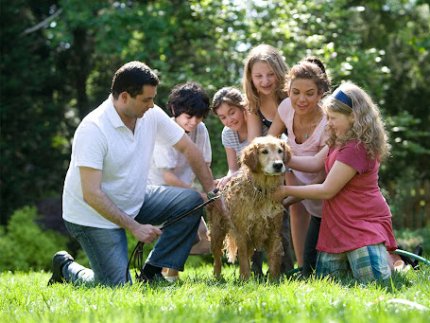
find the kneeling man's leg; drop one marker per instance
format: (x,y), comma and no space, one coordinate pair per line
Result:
(163,203)
(106,250)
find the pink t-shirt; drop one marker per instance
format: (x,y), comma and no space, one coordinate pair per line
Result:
(310,147)
(358,215)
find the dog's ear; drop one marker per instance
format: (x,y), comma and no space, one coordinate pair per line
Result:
(287,152)
(249,157)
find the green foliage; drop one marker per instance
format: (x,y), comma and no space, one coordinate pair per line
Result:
(53,76)
(410,201)
(407,134)
(24,245)
(409,239)
(31,127)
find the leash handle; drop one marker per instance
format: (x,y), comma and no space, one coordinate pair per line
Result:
(137,254)
(137,258)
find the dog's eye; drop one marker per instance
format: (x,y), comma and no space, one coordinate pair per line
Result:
(265,151)
(280,151)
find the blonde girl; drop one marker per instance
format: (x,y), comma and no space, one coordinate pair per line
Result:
(356,229)
(264,87)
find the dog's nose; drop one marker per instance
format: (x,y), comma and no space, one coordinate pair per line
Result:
(277,166)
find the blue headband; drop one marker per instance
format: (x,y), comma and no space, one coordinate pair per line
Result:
(342,97)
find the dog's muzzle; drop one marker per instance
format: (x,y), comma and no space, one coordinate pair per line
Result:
(276,168)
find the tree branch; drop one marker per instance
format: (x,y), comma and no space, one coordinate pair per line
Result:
(43,23)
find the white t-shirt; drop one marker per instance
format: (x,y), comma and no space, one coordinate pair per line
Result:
(103,142)
(167,157)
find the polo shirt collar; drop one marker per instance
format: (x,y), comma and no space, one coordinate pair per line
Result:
(113,114)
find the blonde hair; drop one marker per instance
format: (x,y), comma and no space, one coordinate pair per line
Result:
(368,127)
(270,55)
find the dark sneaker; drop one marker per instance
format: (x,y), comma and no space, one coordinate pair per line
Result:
(60,259)
(419,252)
(158,278)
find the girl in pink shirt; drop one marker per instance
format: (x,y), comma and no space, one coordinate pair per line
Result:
(356,229)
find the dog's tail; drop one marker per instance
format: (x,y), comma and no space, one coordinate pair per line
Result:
(230,246)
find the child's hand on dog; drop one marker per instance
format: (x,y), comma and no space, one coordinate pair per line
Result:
(279,195)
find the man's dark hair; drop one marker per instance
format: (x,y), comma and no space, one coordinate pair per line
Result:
(131,78)
(189,98)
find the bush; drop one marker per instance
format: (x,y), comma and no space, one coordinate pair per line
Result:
(24,245)
(409,200)
(409,239)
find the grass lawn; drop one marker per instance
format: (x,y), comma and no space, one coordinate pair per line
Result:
(24,297)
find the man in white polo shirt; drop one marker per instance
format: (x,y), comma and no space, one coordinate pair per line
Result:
(106,192)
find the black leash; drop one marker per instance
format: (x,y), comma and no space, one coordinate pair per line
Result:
(136,257)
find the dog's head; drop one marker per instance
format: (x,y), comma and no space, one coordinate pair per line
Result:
(267,154)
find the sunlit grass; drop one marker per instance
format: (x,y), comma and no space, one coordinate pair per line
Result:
(198,297)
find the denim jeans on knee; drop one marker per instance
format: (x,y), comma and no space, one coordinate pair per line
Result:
(163,203)
(106,250)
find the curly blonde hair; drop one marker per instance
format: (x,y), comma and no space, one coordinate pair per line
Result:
(270,55)
(368,127)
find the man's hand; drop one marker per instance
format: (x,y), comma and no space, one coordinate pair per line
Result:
(204,196)
(146,233)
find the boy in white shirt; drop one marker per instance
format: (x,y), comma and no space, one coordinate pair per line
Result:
(189,105)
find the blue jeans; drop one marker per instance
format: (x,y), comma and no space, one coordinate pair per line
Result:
(106,249)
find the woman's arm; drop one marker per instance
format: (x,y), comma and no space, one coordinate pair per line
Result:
(292,199)
(255,127)
(232,159)
(339,175)
(310,164)
(278,127)
(233,167)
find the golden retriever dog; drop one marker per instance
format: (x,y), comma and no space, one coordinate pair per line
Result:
(251,219)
